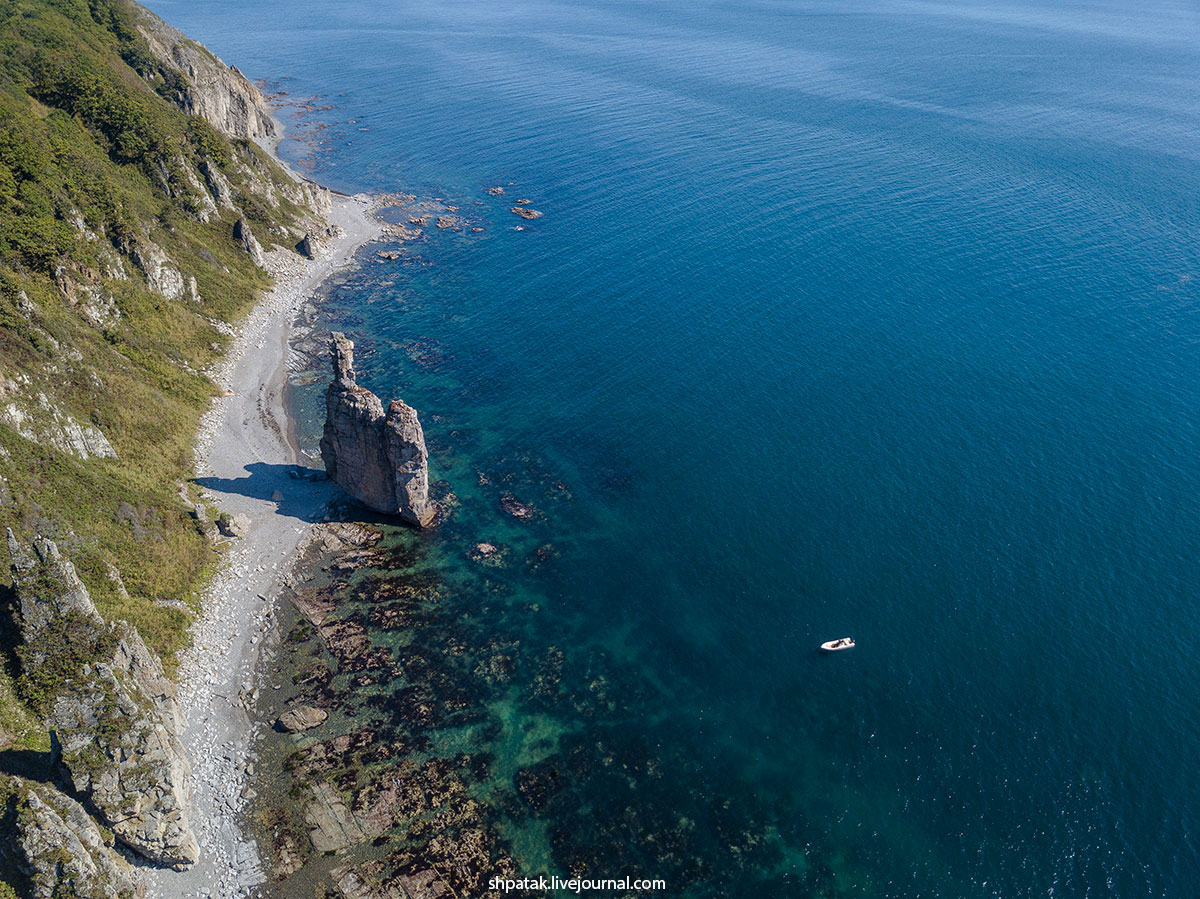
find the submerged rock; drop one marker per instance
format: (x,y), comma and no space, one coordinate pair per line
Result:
(378,458)
(333,826)
(517,509)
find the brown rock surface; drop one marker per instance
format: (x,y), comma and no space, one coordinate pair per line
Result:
(301,718)
(378,458)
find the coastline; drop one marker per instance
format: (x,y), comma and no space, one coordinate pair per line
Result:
(244,452)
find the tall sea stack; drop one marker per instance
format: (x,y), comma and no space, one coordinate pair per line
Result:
(378,458)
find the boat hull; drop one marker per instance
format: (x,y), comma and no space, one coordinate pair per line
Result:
(837,645)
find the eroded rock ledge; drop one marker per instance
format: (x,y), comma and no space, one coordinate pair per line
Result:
(214,90)
(60,848)
(110,706)
(378,458)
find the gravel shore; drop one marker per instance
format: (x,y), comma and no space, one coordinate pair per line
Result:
(243,456)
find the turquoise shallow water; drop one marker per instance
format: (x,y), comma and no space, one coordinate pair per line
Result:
(870,318)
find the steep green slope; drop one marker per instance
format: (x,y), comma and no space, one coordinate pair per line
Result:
(118,275)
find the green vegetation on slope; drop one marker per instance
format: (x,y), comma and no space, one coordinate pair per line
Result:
(100,171)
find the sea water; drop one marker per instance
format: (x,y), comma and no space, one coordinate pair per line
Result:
(842,318)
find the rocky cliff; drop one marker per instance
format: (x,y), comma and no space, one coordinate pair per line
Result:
(377,457)
(217,92)
(139,218)
(60,849)
(111,708)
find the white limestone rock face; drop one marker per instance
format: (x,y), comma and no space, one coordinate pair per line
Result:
(63,851)
(95,304)
(378,458)
(161,274)
(313,196)
(205,206)
(218,184)
(47,425)
(243,235)
(118,726)
(48,589)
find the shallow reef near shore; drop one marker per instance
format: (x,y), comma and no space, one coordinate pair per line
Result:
(478,725)
(469,737)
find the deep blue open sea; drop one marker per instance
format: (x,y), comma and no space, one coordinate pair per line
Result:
(843,317)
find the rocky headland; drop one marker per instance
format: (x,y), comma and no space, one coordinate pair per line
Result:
(58,844)
(113,715)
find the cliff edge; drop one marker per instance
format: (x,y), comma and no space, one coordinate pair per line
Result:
(110,706)
(217,92)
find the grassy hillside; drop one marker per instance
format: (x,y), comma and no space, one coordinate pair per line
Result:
(101,179)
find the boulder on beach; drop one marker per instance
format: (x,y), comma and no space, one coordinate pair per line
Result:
(307,247)
(233,525)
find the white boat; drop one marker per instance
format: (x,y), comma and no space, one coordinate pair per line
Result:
(838,645)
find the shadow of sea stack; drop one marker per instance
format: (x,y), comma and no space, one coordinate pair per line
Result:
(378,458)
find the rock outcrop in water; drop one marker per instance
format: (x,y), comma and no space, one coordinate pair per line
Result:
(115,715)
(378,458)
